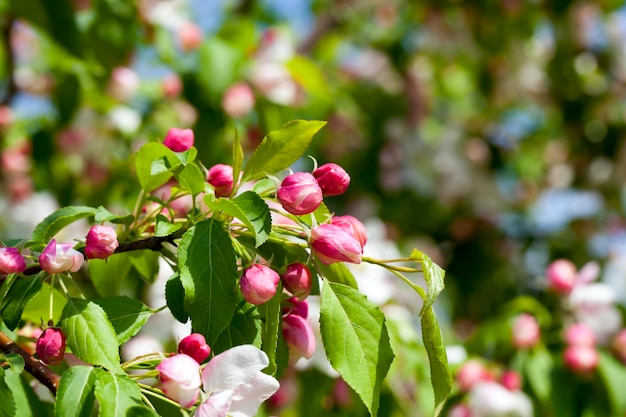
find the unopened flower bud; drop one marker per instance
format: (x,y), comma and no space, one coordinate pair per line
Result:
(101,242)
(50,346)
(353,226)
(238,100)
(220,176)
(511,380)
(179,140)
(60,257)
(295,306)
(618,345)
(258,284)
(189,36)
(562,276)
(581,358)
(180,379)
(526,331)
(11,261)
(195,346)
(299,193)
(332,179)
(580,334)
(297,280)
(470,373)
(331,243)
(298,336)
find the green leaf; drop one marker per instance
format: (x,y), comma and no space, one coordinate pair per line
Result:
(6,398)
(244,329)
(18,296)
(237,157)
(119,396)
(175,298)
(208,272)
(188,156)
(355,340)
(59,219)
(250,209)
(190,178)
(103,215)
(27,403)
(271,326)
(75,396)
(15,361)
(164,227)
(433,274)
(281,148)
(108,275)
(440,375)
(338,272)
(614,375)
(127,315)
(538,367)
(145,157)
(89,334)
(281,255)
(146,263)
(218,61)
(310,77)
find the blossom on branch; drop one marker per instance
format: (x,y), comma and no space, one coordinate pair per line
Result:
(60,257)
(11,261)
(101,242)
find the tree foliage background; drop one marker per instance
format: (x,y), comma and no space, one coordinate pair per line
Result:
(489,133)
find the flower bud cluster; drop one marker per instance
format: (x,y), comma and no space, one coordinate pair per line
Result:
(580,355)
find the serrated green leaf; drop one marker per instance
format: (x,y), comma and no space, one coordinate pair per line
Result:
(208,272)
(187,156)
(6,398)
(281,148)
(108,275)
(244,329)
(175,298)
(75,396)
(145,157)
(146,263)
(103,215)
(250,209)
(164,227)
(18,296)
(355,340)
(15,361)
(56,221)
(433,275)
(119,396)
(127,315)
(89,334)
(190,178)
(338,272)
(440,375)
(27,403)
(281,255)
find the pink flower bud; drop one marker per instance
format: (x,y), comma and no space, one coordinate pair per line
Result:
(331,243)
(511,380)
(60,257)
(580,334)
(460,410)
(618,345)
(295,306)
(526,332)
(101,242)
(562,276)
(299,336)
(332,179)
(171,85)
(179,140)
(581,358)
(470,373)
(124,83)
(353,226)
(220,176)
(11,261)
(50,346)
(258,284)
(238,100)
(297,280)
(195,346)
(189,36)
(180,379)
(299,193)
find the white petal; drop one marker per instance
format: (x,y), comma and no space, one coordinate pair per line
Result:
(232,368)
(247,398)
(216,406)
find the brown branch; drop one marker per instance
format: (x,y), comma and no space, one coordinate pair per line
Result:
(33,366)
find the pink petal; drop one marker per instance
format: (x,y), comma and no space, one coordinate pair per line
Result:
(216,406)
(247,398)
(232,368)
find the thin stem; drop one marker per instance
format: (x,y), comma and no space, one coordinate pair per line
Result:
(147,389)
(415,287)
(51,302)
